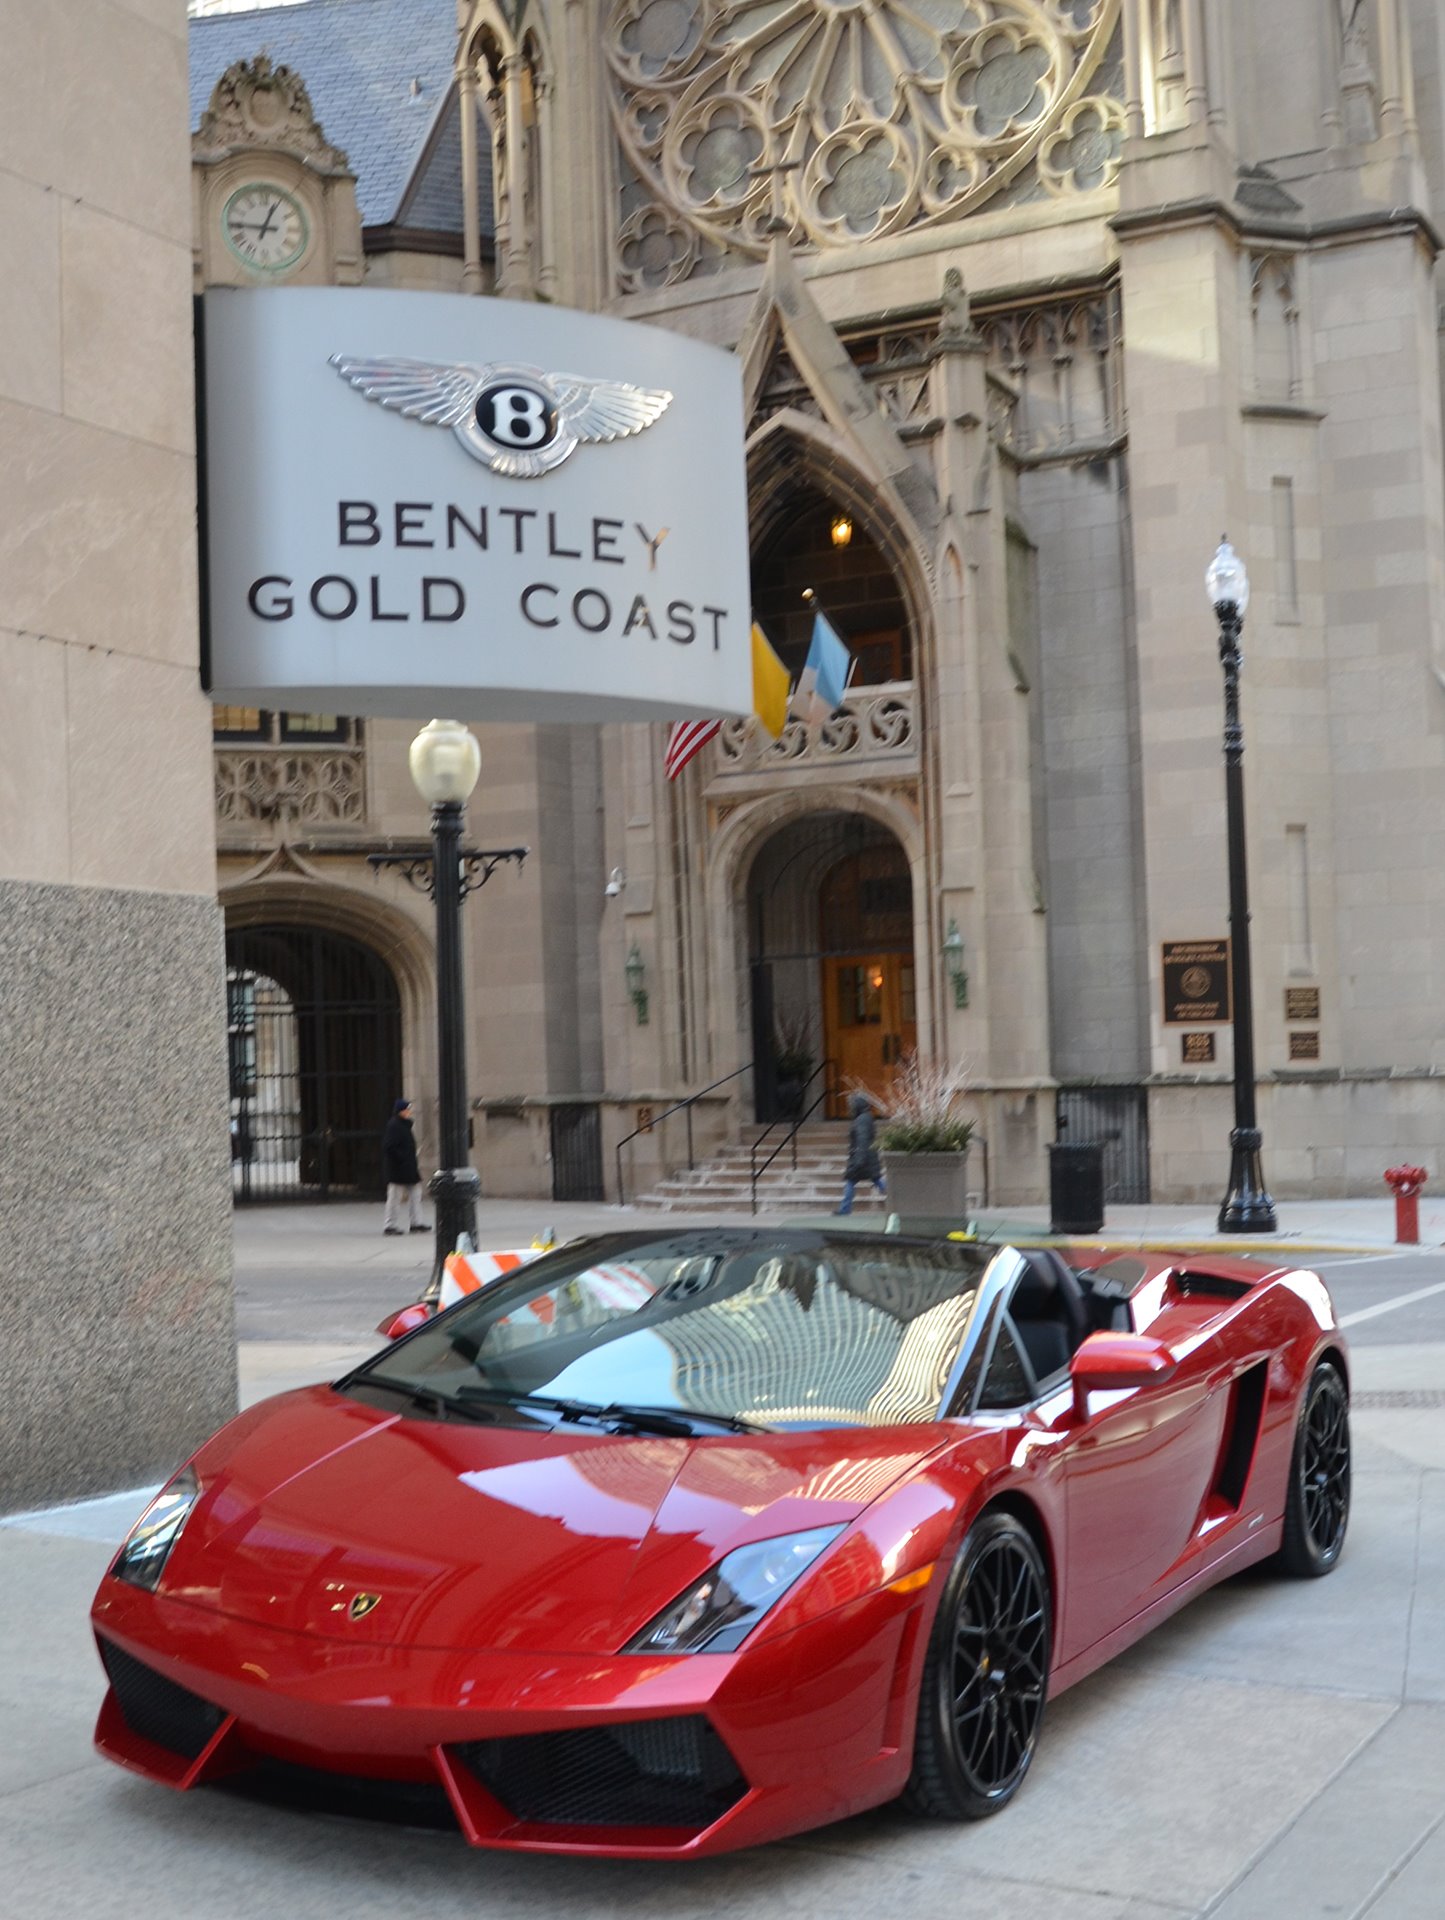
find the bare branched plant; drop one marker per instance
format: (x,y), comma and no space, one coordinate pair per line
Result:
(922,1114)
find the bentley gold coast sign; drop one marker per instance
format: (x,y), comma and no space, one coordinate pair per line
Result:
(428,502)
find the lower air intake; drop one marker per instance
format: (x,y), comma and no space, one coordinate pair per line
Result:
(156,1708)
(641,1773)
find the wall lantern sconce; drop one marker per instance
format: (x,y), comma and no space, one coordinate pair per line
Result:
(953,961)
(840,530)
(636,976)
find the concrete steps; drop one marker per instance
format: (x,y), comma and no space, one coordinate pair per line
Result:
(724,1184)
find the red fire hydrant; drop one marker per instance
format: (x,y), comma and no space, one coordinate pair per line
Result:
(1406,1183)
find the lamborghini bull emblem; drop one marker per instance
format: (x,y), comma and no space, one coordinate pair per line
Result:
(362,1604)
(516,419)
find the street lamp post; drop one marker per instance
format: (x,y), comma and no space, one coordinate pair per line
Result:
(1246,1207)
(445,762)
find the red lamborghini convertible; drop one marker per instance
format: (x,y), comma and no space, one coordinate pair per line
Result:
(677,1542)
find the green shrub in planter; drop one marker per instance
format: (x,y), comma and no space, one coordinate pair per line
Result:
(950,1135)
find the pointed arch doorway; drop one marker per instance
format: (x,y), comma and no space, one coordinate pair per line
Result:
(831,961)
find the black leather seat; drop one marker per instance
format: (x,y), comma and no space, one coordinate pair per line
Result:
(1049,1311)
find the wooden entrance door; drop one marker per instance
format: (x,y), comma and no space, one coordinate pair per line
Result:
(870,1021)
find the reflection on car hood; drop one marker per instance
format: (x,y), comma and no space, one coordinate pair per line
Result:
(495,1537)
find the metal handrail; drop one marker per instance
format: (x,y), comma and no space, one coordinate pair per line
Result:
(829,1092)
(678,1106)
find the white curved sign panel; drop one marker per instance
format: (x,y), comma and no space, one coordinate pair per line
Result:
(423,503)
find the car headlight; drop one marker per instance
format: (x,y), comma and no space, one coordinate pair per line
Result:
(148,1545)
(717,1613)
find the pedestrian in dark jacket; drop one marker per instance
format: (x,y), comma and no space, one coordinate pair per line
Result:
(401,1172)
(863,1161)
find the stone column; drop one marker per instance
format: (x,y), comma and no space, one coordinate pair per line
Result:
(546,249)
(471,203)
(519,236)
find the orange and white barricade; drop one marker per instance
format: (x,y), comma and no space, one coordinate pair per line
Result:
(469,1272)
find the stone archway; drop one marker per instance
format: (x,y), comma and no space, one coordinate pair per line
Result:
(327,991)
(835,823)
(832,978)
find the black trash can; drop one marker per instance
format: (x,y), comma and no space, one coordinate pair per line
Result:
(1076,1187)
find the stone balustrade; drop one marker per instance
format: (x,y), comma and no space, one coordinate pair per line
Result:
(875,731)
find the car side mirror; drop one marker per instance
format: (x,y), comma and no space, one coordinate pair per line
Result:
(1114,1362)
(405,1320)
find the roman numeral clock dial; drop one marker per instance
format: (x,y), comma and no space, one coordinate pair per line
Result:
(265,227)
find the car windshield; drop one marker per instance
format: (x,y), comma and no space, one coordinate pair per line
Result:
(724,1326)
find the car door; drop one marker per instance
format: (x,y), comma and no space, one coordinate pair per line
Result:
(1136,1470)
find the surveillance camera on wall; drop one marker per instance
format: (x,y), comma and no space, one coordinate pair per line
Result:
(616,881)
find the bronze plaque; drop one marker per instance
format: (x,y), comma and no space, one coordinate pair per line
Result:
(1304,1046)
(1198,1048)
(1196,983)
(1301,1003)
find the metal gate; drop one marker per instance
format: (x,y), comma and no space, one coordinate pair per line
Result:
(314,1026)
(1116,1118)
(576,1153)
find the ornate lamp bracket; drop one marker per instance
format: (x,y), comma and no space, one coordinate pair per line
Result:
(475,866)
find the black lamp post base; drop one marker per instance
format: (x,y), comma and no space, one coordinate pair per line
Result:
(1247,1207)
(455,1192)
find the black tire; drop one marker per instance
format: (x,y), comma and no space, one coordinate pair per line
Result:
(981,1701)
(1317,1507)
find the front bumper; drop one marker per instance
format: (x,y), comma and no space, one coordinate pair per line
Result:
(626,1756)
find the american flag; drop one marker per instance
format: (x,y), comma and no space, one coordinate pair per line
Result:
(686,738)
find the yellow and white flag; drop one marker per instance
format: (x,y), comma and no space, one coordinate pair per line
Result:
(771,685)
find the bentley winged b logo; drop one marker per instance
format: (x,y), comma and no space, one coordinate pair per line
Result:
(516,419)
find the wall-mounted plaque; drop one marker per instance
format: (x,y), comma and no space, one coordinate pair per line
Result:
(1198,1048)
(1301,1003)
(1196,983)
(1305,1046)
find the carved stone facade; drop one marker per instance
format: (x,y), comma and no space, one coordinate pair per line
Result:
(307,789)
(845,124)
(1031,299)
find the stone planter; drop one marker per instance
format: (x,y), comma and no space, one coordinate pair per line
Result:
(927,1186)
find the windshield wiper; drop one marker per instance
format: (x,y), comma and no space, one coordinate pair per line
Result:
(440,1404)
(680,1422)
(693,1417)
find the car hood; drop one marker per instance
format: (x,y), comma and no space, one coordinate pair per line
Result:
(324,1516)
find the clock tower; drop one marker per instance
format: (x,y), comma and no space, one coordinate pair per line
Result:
(275,202)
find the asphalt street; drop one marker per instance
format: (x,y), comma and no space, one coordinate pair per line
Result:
(1274,1752)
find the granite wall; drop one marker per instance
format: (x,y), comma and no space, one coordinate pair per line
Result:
(117,1347)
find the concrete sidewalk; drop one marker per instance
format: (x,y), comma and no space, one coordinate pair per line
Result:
(1275,1752)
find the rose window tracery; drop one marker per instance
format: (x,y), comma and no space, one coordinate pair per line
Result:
(850,119)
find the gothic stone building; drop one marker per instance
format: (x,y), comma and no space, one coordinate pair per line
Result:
(1033,298)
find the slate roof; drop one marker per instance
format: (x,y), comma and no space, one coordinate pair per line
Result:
(358,59)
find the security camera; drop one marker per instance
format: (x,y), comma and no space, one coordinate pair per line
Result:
(616,881)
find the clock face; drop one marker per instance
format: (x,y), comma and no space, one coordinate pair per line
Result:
(265,227)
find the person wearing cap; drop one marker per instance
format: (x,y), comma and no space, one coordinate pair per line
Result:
(401,1172)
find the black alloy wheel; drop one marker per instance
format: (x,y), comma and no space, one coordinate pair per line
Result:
(1317,1509)
(985,1680)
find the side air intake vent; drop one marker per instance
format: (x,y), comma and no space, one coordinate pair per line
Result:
(1241,1433)
(1211,1286)
(156,1708)
(641,1773)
